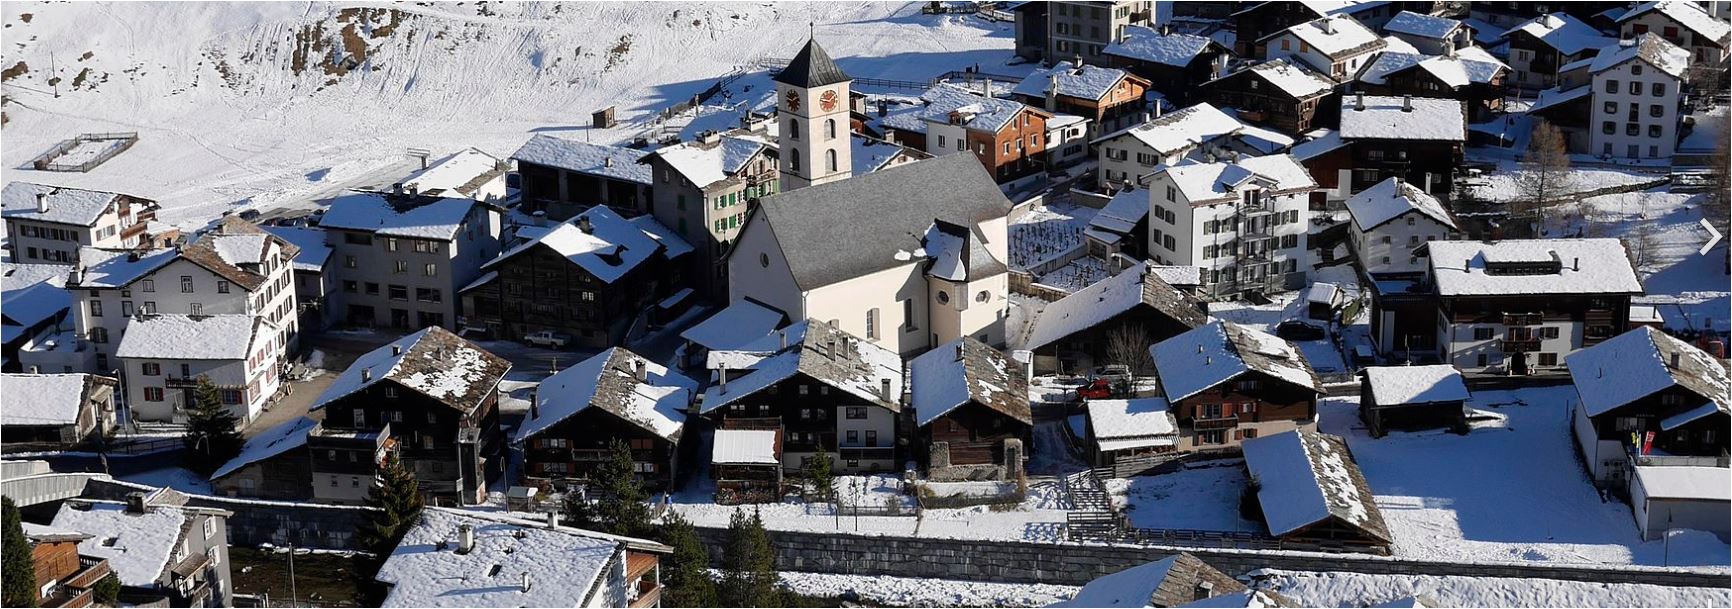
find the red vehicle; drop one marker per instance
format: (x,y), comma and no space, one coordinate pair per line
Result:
(1096,389)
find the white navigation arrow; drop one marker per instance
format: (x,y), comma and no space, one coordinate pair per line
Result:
(1713,237)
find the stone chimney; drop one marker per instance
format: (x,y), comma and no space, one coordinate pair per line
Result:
(722,380)
(41,202)
(137,502)
(465,538)
(366,374)
(883,107)
(1407,103)
(397,188)
(1052,91)
(525,585)
(1359,102)
(396,350)
(607,161)
(640,370)
(552,520)
(584,225)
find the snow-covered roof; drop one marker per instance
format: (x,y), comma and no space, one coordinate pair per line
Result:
(1391,199)
(1649,47)
(673,244)
(14,276)
(1293,78)
(311,241)
(1317,143)
(137,546)
(193,337)
(1399,385)
(821,352)
(1180,129)
(1206,183)
(1181,276)
(1403,118)
(1420,24)
(615,162)
(1640,363)
(1206,356)
(1695,482)
(392,215)
(708,162)
(1122,213)
(458,175)
(113,268)
(974,110)
(741,322)
(1336,36)
(562,566)
(608,381)
(1170,582)
(66,205)
(239,249)
(43,399)
(433,361)
(965,370)
(32,305)
(1090,82)
(1304,477)
(607,247)
(1459,70)
(1263,139)
(1108,298)
(1576,266)
(745,447)
(1133,423)
(1553,97)
(871,154)
(1148,44)
(1688,14)
(270,443)
(1562,32)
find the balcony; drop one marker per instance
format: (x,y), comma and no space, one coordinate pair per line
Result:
(1222,423)
(752,423)
(858,453)
(1522,319)
(1518,345)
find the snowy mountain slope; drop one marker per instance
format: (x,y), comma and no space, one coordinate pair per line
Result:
(275,103)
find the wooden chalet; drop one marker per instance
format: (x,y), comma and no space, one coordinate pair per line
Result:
(971,410)
(1227,383)
(1281,93)
(1310,489)
(1649,399)
(617,395)
(63,577)
(1412,397)
(1073,333)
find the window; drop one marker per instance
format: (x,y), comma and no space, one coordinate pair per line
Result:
(1611,107)
(351,286)
(908,315)
(1656,110)
(982,296)
(359,417)
(428,295)
(1611,86)
(1548,359)
(186,284)
(1653,131)
(1482,333)
(1212,436)
(350,262)
(1635,88)
(397,292)
(99,336)
(153,394)
(794,158)
(853,436)
(793,129)
(232,396)
(1658,89)
(195,308)
(399,266)
(940,141)
(427,442)
(152,369)
(1632,129)
(432,418)
(1170,193)
(222,286)
(855,412)
(830,161)
(872,323)
(829,128)
(96,308)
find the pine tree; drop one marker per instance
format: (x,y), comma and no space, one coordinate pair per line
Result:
(620,508)
(212,432)
(686,573)
(749,565)
(20,571)
(820,475)
(397,498)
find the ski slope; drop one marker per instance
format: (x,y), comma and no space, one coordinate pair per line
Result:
(271,104)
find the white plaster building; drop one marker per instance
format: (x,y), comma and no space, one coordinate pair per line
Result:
(1622,103)
(1390,221)
(47,224)
(401,257)
(1243,221)
(1128,154)
(908,257)
(813,137)
(163,357)
(1338,45)
(1686,24)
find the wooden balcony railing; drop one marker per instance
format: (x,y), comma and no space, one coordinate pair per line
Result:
(1222,423)
(1518,345)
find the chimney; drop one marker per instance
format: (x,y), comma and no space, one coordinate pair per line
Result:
(1359,102)
(396,350)
(41,202)
(525,585)
(74,277)
(465,538)
(722,380)
(1675,359)
(959,351)
(1329,26)
(1407,103)
(783,335)
(414,189)
(1052,92)
(538,218)
(1449,48)
(1166,29)
(366,374)
(137,502)
(884,388)
(641,371)
(607,162)
(883,107)
(397,188)
(552,520)
(584,225)
(831,352)
(1576,263)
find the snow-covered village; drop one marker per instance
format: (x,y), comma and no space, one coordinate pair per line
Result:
(1348,303)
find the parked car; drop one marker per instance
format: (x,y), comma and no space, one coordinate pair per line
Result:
(548,338)
(1113,373)
(1096,389)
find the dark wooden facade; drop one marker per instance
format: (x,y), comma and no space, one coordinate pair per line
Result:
(433,439)
(563,193)
(1091,344)
(1249,397)
(540,289)
(1179,84)
(976,434)
(806,410)
(285,477)
(1260,101)
(1430,165)
(1703,437)
(575,448)
(1483,100)
(63,578)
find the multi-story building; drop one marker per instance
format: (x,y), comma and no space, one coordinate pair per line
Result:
(616,396)
(971,412)
(47,224)
(468,173)
(1542,45)
(1007,137)
(1244,221)
(1073,334)
(1281,93)
(1129,154)
(1337,46)
(316,293)
(1520,306)
(1429,34)
(164,356)
(1390,221)
(561,177)
(813,110)
(920,266)
(704,189)
(165,553)
(1468,73)
(1110,97)
(1622,103)
(1648,399)
(1257,21)
(1417,139)
(234,270)
(1226,383)
(1084,29)
(401,257)
(1685,24)
(819,389)
(432,397)
(1174,63)
(586,278)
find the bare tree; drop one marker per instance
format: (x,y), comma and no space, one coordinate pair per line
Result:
(1128,344)
(1545,177)
(1717,207)
(1642,244)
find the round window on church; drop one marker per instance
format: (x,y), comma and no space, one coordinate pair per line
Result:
(982,296)
(943,298)
(764,260)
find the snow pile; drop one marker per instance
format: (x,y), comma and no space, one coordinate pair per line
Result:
(1199,497)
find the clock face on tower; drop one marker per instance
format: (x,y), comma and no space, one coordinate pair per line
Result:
(827,101)
(793,100)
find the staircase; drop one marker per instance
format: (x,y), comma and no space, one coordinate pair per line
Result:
(1092,515)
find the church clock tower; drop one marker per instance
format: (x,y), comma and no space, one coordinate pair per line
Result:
(812,109)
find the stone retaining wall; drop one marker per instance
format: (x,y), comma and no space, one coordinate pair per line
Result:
(1076,564)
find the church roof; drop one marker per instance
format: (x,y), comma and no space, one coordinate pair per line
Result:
(811,68)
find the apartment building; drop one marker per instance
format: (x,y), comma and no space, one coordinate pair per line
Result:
(47,224)
(401,257)
(1243,221)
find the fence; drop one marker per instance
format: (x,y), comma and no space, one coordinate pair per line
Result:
(1243,540)
(46,160)
(1138,465)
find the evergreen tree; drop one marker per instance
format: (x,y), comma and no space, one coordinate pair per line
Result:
(820,475)
(397,497)
(620,507)
(749,565)
(107,590)
(686,573)
(20,571)
(213,433)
